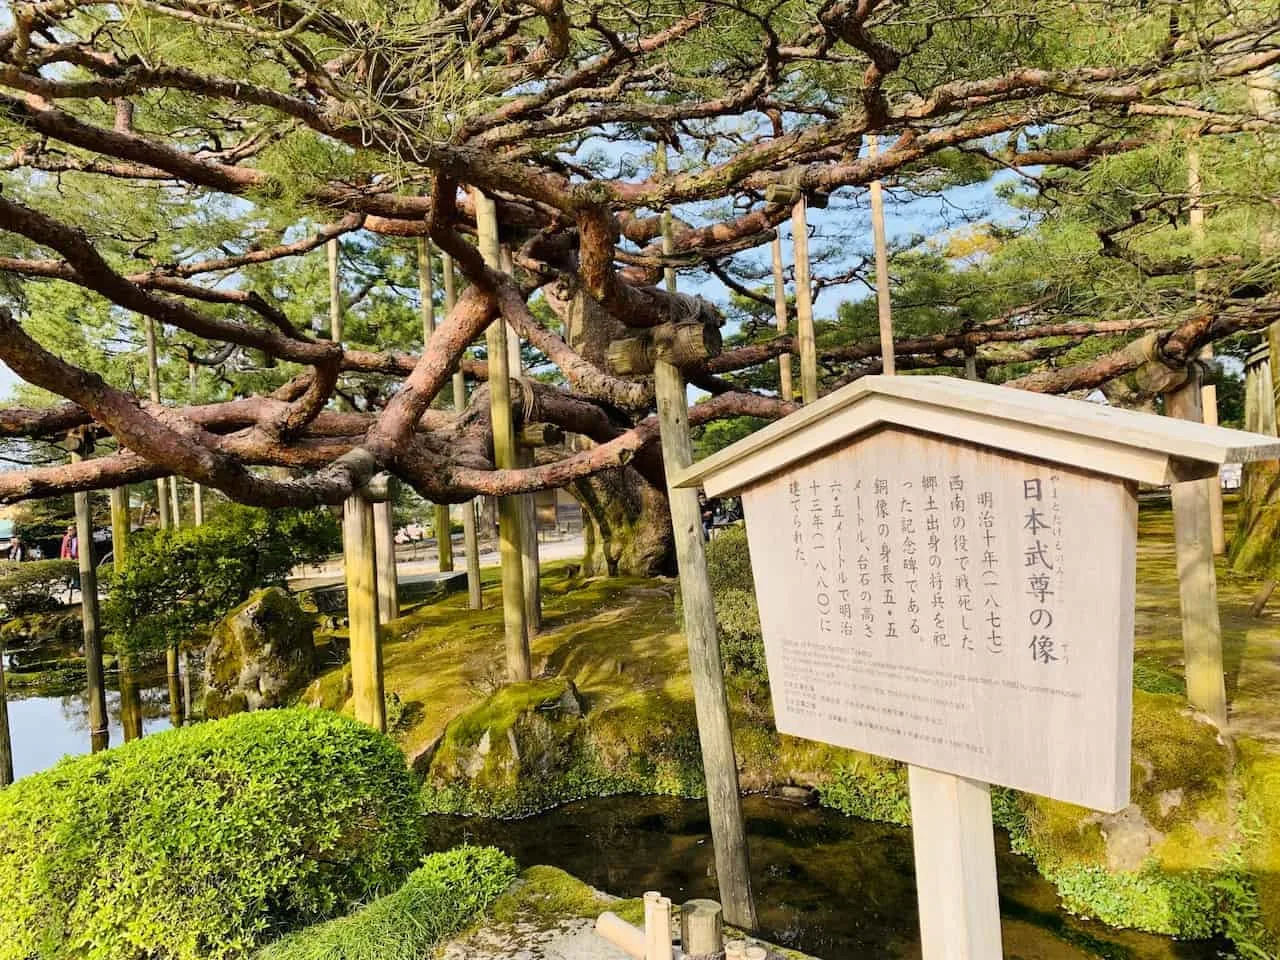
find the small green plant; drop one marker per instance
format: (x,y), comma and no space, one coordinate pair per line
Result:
(179,580)
(441,897)
(203,842)
(36,586)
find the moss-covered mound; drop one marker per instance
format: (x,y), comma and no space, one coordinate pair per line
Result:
(201,842)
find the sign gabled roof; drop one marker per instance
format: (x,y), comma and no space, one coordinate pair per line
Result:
(1089,436)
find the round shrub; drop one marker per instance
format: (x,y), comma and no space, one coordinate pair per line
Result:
(205,841)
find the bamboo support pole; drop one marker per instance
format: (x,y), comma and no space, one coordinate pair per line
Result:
(175,502)
(197,491)
(98,733)
(359,554)
(384,548)
(130,692)
(1197,580)
(780,315)
(711,705)
(335,291)
(470,535)
(153,389)
(884,306)
(530,562)
(427,307)
(511,553)
(804,303)
(1208,392)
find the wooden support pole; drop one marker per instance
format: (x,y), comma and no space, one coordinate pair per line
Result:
(623,935)
(955,854)
(971,366)
(701,929)
(710,701)
(98,732)
(362,610)
(1208,392)
(6,742)
(511,553)
(175,503)
(804,304)
(427,307)
(335,291)
(1197,580)
(530,562)
(470,535)
(711,704)
(384,546)
(197,491)
(153,389)
(884,304)
(130,692)
(780,315)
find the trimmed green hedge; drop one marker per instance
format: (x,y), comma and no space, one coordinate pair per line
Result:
(443,896)
(204,842)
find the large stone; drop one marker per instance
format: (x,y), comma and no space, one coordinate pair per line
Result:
(261,654)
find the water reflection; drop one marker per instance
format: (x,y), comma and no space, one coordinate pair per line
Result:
(833,886)
(46,724)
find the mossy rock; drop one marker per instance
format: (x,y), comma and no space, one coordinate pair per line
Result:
(511,743)
(261,654)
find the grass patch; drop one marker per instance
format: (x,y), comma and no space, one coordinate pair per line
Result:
(447,893)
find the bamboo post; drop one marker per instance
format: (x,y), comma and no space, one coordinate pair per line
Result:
(884,306)
(657,926)
(175,503)
(780,314)
(384,548)
(130,693)
(427,306)
(197,491)
(362,610)
(1197,580)
(530,562)
(804,303)
(955,857)
(470,536)
(701,930)
(82,446)
(335,291)
(511,553)
(153,386)
(1208,392)
(971,366)
(620,933)
(711,704)
(6,742)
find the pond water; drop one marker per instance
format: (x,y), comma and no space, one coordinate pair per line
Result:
(826,884)
(49,723)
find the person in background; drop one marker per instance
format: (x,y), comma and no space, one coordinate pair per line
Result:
(17,549)
(70,550)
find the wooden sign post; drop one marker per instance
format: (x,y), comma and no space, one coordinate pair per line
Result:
(946,576)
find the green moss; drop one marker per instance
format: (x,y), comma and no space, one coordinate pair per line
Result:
(1260,779)
(545,894)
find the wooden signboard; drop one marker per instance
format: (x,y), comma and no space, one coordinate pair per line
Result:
(954,607)
(945,571)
